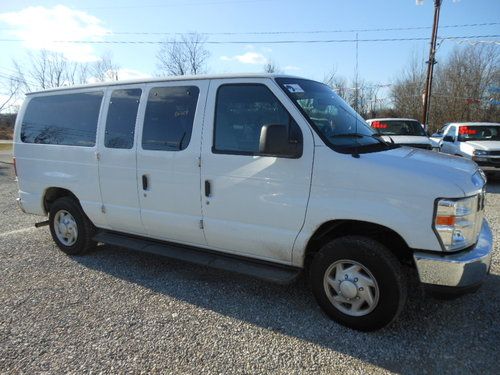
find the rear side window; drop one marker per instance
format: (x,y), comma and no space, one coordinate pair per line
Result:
(241,112)
(122,115)
(169,117)
(67,119)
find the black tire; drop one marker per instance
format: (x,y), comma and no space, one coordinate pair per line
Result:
(85,228)
(383,266)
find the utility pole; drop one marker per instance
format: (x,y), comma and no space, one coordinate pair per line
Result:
(430,64)
(356,79)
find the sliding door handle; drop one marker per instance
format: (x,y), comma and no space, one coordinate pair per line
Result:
(208,188)
(144,182)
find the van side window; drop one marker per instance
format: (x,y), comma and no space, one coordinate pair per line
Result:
(241,112)
(169,117)
(62,119)
(122,115)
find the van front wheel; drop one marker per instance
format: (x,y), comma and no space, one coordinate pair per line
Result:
(70,228)
(358,282)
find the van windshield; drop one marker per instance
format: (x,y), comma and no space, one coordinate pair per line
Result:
(338,125)
(398,127)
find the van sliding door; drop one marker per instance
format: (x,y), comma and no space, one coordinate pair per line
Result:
(117,160)
(168,154)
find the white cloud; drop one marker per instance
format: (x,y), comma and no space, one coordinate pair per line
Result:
(291,68)
(125,73)
(39,27)
(253,58)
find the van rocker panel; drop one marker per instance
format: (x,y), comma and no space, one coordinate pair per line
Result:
(268,271)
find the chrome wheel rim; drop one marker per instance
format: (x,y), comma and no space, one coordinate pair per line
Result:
(351,288)
(65,228)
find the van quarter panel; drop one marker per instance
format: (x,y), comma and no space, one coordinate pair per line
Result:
(41,166)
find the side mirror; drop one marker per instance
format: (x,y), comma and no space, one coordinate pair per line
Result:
(449,138)
(275,141)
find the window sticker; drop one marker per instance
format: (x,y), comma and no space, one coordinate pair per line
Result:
(293,87)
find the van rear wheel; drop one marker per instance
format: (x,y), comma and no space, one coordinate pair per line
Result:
(70,228)
(358,282)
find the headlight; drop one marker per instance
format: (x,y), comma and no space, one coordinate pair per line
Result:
(457,222)
(480,152)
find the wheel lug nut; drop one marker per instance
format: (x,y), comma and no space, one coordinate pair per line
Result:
(355,279)
(346,277)
(361,289)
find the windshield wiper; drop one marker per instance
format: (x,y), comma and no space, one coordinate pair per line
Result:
(378,137)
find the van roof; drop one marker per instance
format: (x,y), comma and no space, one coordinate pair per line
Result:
(166,79)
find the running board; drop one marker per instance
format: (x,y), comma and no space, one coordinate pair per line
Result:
(268,271)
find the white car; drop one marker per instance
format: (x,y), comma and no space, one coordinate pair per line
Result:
(478,141)
(267,175)
(402,131)
(437,137)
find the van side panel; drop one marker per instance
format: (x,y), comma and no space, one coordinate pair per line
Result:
(42,166)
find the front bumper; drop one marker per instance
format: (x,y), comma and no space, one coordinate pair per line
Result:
(461,270)
(488,164)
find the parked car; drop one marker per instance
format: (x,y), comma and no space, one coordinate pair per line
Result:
(437,137)
(403,131)
(267,175)
(479,141)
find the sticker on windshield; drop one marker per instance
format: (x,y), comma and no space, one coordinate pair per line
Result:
(293,88)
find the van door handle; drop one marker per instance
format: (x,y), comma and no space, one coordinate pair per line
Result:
(144,182)
(208,189)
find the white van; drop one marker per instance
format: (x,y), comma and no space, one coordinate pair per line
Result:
(403,131)
(266,175)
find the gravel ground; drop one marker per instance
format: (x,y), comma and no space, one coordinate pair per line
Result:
(116,311)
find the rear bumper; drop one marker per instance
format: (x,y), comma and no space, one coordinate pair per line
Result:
(462,270)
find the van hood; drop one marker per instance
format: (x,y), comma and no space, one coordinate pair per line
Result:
(407,139)
(423,172)
(485,145)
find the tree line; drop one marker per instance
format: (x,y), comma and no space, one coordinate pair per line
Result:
(466,83)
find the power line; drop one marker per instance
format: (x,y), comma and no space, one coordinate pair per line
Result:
(182,3)
(259,41)
(283,32)
(304,31)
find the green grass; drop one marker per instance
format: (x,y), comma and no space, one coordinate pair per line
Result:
(5,146)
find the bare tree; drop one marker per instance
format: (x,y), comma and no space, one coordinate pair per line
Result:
(9,88)
(271,67)
(47,69)
(462,88)
(104,69)
(337,83)
(184,55)
(362,93)
(407,90)
(44,70)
